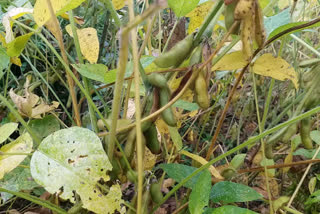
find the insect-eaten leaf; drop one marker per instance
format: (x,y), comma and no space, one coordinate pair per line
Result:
(277,68)
(30,105)
(89,42)
(231,61)
(22,144)
(75,160)
(41,11)
(16,46)
(6,130)
(198,15)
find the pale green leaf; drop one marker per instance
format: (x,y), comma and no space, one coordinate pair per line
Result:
(182,7)
(15,47)
(176,137)
(22,144)
(6,130)
(199,197)
(92,71)
(75,160)
(232,210)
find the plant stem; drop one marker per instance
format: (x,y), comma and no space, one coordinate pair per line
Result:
(58,33)
(248,142)
(108,4)
(93,117)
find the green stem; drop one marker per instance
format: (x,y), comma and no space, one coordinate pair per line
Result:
(250,141)
(36,200)
(93,117)
(108,4)
(313,50)
(266,106)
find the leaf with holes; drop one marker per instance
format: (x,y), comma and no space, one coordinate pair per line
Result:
(22,144)
(277,68)
(42,14)
(6,130)
(89,42)
(75,160)
(198,15)
(182,7)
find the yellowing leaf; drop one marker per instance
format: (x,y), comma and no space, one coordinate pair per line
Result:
(89,43)
(23,144)
(14,13)
(288,160)
(16,46)
(149,159)
(6,130)
(41,11)
(198,15)
(77,19)
(16,60)
(231,61)
(118,4)
(203,161)
(277,68)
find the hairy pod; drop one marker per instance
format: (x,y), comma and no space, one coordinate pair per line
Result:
(289,132)
(244,9)
(305,133)
(260,34)
(176,55)
(157,80)
(247,29)
(155,192)
(152,139)
(130,144)
(196,56)
(201,90)
(268,151)
(167,114)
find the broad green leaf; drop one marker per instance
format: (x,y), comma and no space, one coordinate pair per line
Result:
(6,130)
(277,68)
(186,105)
(198,15)
(269,162)
(290,25)
(182,7)
(22,144)
(306,153)
(16,46)
(41,11)
(17,180)
(273,22)
(4,59)
(315,136)
(92,71)
(231,61)
(176,137)
(229,192)
(232,210)
(89,42)
(45,126)
(179,171)
(199,197)
(280,202)
(313,198)
(75,160)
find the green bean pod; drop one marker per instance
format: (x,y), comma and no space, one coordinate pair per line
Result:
(201,90)
(268,151)
(167,114)
(157,80)
(152,139)
(291,130)
(176,55)
(155,192)
(130,144)
(305,133)
(196,56)
(229,16)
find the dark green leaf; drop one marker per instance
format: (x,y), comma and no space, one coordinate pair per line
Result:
(45,126)
(199,197)
(232,210)
(179,171)
(186,105)
(313,198)
(92,71)
(229,192)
